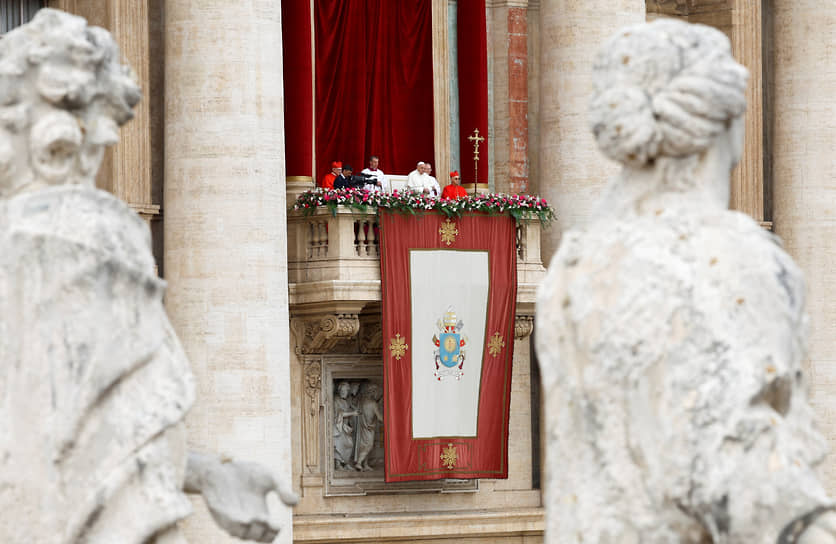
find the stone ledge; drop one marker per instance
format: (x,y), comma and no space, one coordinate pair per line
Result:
(409,527)
(366,291)
(334,290)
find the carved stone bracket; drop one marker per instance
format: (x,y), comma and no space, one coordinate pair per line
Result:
(371,336)
(320,334)
(523,325)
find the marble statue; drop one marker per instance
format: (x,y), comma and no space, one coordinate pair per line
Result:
(94,384)
(344,426)
(371,415)
(670,330)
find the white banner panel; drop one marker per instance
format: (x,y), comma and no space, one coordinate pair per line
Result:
(445,399)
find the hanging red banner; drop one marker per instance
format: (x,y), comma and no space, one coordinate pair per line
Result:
(449,295)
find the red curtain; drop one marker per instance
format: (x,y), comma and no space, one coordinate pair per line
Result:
(374,83)
(486,454)
(472,43)
(298,87)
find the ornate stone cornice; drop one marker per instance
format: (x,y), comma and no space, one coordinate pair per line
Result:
(319,334)
(523,325)
(371,336)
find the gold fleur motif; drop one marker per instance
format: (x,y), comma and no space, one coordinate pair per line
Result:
(495,344)
(448,232)
(449,456)
(398,346)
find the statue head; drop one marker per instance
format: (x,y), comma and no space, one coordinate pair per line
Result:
(669,91)
(343,389)
(63,95)
(373,391)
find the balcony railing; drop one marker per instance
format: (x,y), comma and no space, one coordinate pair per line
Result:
(345,247)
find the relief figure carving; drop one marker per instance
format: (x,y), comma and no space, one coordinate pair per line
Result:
(345,425)
(370,416)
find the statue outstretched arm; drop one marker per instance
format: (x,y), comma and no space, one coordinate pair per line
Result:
(236,494)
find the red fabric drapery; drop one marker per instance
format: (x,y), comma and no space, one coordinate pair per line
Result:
(298,87)
(472,43)
(486,454)
(374,91)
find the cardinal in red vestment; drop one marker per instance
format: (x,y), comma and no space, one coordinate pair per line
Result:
(454,190)
(327,181)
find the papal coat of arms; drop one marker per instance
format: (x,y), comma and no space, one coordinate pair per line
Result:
(449,346)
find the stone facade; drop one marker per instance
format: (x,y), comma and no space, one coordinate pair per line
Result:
(195,135)
(334,273)
(803,139)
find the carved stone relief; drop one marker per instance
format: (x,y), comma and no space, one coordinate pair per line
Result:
(323,333)
(358,424)
(313,395)
(371,335)
(343,429)
(523,325)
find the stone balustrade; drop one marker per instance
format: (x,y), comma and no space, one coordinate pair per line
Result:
(336,257)
(324,246)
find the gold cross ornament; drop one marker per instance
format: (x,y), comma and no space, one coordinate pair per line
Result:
(449,456)
(398,347)
(448,232)
(495,344)
(476,139)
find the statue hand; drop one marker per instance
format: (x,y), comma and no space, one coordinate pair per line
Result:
(236,494)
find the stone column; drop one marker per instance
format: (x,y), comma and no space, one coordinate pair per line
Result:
(225,230)
(571,169)
(441,91)
(747,178)
(508,28)
(132,170)
(804,203)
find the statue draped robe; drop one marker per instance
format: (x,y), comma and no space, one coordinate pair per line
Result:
(93,382)
(670,346)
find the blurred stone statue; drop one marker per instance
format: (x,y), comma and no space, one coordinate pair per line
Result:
(94,384)
(670,330)
(345,416)
(371,415)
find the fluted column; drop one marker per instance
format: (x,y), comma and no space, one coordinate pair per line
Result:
(572,171)
(804,204)
(225,234)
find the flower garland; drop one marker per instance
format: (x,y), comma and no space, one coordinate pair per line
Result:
(520,207)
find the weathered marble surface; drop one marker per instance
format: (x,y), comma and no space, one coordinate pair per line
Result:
(671,331)
(93,381)
(369,418)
